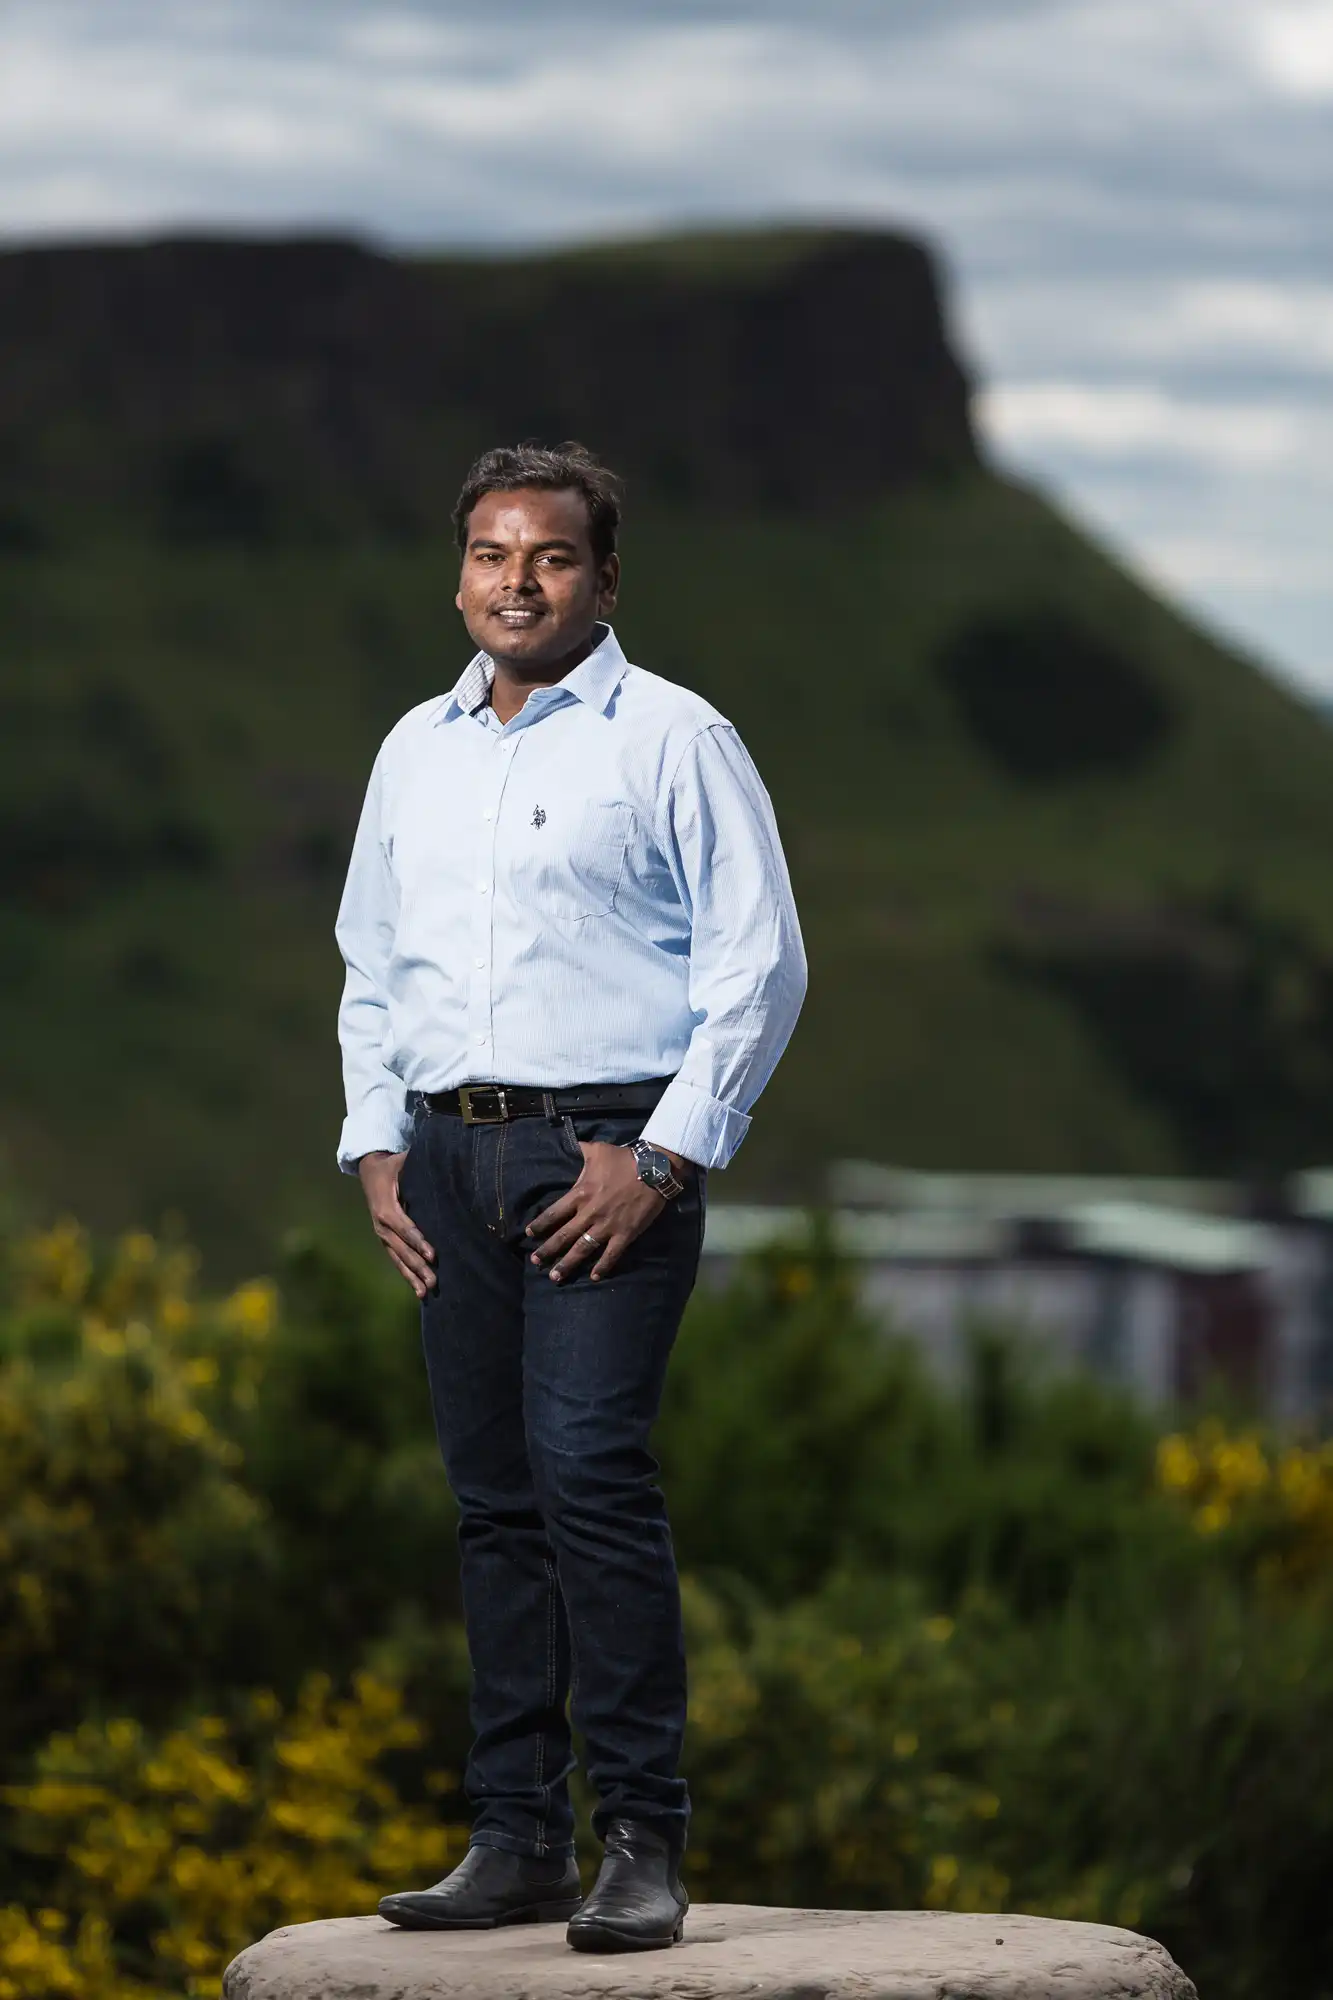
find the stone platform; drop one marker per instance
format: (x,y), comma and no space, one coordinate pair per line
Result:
(731,1952)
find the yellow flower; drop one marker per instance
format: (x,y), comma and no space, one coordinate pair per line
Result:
(1225,1478)
(252,1309)
(56,1263)
(1177,1464)
(943,1876)
(1238,1465)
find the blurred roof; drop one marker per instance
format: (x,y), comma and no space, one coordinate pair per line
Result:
(866,1184)
(1174,1239)
(1312,1194)
(732,1231)
(1128,1231)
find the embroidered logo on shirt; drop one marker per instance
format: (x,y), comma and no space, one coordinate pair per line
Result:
(538,817)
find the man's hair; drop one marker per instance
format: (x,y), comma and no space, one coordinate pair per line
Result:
(560,468)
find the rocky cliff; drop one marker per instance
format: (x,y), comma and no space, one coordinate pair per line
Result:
(256,391)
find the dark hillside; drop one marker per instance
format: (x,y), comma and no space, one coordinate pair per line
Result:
(252,392)
(1063,861)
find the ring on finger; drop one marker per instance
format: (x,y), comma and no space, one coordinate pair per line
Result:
(591,1241)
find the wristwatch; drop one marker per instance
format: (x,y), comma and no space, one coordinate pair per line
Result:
(656,1171)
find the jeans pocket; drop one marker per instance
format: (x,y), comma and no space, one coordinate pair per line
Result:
(570,1139)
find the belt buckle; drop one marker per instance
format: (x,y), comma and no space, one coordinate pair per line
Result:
(469,1092)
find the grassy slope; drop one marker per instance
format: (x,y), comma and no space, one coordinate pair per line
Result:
(168,1043)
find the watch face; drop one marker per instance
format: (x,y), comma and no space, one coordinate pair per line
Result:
(655,1168)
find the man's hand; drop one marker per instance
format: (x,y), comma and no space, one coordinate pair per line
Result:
(408,1249)
(607,1203)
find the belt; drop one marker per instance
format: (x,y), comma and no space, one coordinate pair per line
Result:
(496,1103)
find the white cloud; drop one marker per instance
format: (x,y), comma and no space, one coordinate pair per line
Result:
(1295,47)
(1139,421)
(1198,562)
(1181,328)
(643,101)
(389,40)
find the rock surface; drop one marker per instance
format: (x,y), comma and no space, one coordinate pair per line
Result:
(729,1949)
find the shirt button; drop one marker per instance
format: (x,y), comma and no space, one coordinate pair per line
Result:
(483,1039)
(480,964)
(481,888)
(488,814)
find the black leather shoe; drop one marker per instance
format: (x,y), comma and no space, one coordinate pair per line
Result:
(490,1886)
(637,1902)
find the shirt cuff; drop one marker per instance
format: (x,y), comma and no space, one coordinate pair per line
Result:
(698,1127)
(375,1128)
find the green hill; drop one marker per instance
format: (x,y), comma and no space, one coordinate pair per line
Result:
(1061,858)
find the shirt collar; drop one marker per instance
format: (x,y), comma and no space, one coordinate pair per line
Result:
(593,681)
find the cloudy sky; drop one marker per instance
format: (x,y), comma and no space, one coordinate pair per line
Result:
(1133,197)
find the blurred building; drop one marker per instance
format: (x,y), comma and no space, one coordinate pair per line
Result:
(1166,1287)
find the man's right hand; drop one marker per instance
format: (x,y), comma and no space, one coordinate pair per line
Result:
(408,1249)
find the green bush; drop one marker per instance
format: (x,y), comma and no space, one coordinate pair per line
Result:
(1156,1761)
(796,1440)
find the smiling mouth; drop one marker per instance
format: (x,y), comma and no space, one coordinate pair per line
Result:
(517,614)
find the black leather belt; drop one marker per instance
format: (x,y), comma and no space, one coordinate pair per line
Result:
(495,1103)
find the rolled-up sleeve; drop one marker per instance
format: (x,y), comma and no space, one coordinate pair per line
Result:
(747,961)
(377,1120)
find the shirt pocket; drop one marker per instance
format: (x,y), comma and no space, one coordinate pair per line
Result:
(579,877)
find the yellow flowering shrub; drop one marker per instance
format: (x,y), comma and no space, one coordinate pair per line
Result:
(144,1293)
(1280,1491)
(166,1856)
(143,1572)
(44,1957)
(126,1523)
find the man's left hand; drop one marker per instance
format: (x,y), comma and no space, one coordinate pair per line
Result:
(607,1207)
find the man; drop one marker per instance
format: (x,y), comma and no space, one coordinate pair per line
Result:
(572,964)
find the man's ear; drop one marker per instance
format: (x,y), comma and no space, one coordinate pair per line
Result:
(608,584)
(458,601)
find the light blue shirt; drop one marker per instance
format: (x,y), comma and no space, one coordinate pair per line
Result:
(593,893)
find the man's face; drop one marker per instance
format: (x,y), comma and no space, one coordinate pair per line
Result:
(531,589)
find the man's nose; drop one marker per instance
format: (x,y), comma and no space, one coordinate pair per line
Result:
(519,576)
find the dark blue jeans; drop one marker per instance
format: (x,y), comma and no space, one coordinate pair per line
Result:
(544,1398)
